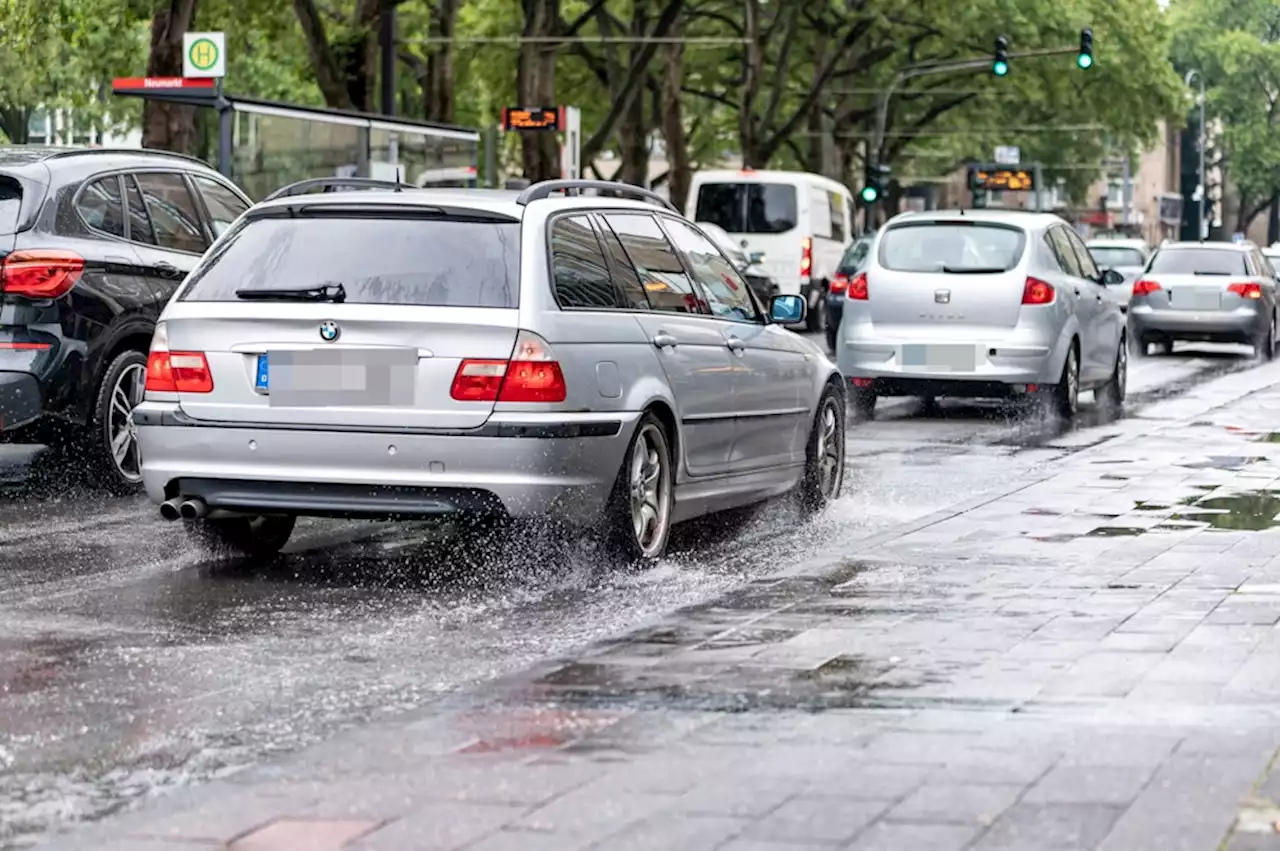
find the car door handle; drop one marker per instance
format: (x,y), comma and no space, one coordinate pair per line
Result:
(735,344)
(168,270)
(1077,292)
(1098,299)
(664,340)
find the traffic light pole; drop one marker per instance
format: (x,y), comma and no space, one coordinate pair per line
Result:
(875,151)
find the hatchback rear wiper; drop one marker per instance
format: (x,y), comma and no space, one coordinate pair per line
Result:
(1219,274)
(973,270)
(325,292)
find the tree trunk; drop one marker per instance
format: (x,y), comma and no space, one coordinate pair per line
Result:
(752,69)
(324,62)
(536,86)
(816,122)
(15,123)
(679,168)
(438,89)
(633,132)
(169,126)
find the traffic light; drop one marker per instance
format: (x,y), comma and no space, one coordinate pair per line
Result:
(1000,64)
(874,182)
(1085,58)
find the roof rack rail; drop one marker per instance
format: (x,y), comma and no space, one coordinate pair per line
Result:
(333,184)
(71,151)
(543,189)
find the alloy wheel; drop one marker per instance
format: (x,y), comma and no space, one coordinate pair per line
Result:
(125,396)
(649,484)
(830,451)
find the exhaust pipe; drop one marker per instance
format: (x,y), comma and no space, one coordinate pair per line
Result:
(169,509)
(193,509)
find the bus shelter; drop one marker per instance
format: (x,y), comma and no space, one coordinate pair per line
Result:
(263,145)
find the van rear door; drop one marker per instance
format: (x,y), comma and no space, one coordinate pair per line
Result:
(761,216)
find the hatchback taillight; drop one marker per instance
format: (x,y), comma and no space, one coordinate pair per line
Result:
(858,287)
(1036,291)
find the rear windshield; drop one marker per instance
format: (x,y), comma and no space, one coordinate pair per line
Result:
(1199,261)
(748,207)
(1110,257)
(10,201)
(435,262)
(951,247)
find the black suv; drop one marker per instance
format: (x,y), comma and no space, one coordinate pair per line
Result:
(93,242)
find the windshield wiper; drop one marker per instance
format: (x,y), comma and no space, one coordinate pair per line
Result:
(325,292)
(1223,274)
(973,270)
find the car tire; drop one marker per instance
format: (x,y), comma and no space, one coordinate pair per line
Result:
(817,318)
(638,515)
(111,441)
(1266,348)
(1065,398)
(824,454)
(831,337)
(864,402)
(259,537)
(1112,394)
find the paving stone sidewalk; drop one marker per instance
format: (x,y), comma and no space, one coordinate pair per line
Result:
(1090,661)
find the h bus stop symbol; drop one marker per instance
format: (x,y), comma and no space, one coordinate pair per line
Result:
(204,55)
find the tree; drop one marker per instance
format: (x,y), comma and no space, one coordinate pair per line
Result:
(169,126)
(1235,44)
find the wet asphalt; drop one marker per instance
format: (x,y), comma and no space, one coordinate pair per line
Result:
(128,664)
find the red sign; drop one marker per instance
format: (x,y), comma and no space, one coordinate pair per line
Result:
(133,85)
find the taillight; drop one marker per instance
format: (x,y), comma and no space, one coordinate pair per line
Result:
(1141,288)
(531,375)
(1036,291)
(1246,290)
(839,283)
(806,257)
(858,287)
(176,372)
(40,274)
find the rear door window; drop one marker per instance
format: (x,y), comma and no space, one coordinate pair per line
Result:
(620,268)
(140,229)
(1063,251)
(1088,268)
(662,275)
(224,206)
(101,206)
(729,295)
(951,247)
(426,261)
(10,204)
(760,208)
(579,270)
(1199,261)
(173,212)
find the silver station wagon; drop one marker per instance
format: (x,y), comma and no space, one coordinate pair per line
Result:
(403,353)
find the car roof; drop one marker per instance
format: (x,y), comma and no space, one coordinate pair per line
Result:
(501,201)
(24,155)
(1117,243)
(1025,218)
(749,175)
(1217,246)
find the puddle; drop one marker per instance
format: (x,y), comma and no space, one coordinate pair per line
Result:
(1153,506)
(1042,512)
(1249,511)
(1054,539)
(1224,462)
(1115,532)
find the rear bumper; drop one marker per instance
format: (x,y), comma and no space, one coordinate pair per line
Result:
(996,365)
(521,466)
(19,400)
(1242,325)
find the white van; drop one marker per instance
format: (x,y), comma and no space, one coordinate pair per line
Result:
(800,222)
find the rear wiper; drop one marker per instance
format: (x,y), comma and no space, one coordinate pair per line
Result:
(1221,274)
(973,270)
(325,292)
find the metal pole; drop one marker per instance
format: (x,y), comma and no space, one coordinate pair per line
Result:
(225,117)
(387,47)
(1204,188)
(1126,195)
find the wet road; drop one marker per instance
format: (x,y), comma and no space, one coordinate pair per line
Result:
(128,665)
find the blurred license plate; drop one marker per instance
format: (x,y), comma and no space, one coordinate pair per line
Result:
(946,358)
(261,381)
(338,377)
(1197,299)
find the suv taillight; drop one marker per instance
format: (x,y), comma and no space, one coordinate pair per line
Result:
(40,273)
(532,374)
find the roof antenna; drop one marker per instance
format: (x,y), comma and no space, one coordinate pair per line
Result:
(398,181)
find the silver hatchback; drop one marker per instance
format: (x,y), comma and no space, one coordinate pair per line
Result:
(412,353)
(981,303)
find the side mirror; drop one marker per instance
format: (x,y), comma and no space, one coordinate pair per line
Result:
(756,257)
(787,309)
(1111,278)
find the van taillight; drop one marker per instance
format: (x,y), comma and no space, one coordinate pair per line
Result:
(806,257)
(40,273)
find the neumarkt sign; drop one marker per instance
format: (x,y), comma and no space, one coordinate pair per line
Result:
(204,55)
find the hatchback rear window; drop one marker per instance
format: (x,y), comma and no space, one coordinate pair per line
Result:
(10,202)
(1109,257)
(1199,261)
(419,261)
(748,207)
(952,247)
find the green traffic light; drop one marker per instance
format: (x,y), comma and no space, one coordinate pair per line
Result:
(1084,60)
(870,194)
(1000,68)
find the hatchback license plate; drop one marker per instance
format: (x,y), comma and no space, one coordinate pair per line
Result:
(1197,299)
(944,358)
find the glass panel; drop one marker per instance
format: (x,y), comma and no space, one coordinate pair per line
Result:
(951,247)
(101,206)
(276,150)
(173,212)
(1200,261)
(423,159)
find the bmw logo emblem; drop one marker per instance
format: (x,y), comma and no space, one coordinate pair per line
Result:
(329,331)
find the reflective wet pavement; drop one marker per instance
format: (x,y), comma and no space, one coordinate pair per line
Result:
(129,666)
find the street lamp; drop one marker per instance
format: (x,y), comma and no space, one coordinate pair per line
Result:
(1204,189)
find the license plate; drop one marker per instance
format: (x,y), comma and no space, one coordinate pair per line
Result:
(328,378)
(941,358)
(1197,299)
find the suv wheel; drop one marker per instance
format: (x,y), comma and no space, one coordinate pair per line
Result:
(113,438)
